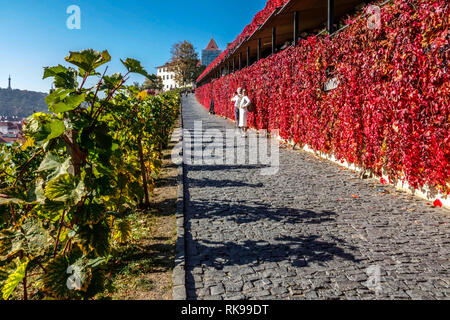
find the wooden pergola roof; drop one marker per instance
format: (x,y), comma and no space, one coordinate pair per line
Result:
(310,14)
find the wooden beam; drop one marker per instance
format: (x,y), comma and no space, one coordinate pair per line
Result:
(274,40)
(248,56)
(330,16)
(240,60)
(296,25)
(259,49)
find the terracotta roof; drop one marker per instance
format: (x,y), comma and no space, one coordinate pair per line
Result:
(6,139)
(164,66)
(212,45)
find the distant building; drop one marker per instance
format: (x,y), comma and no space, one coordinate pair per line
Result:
(9,139)
(9,83)
(10,128)
(10,132)
(168,77)
(210,53)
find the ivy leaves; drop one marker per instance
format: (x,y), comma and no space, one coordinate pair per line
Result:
(390,112)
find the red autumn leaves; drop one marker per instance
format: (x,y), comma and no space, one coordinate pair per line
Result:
(258,20)
(391,111)
(437,203)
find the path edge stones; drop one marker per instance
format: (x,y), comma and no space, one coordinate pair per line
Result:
(179,271)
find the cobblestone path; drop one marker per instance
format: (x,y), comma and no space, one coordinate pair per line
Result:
(301,234)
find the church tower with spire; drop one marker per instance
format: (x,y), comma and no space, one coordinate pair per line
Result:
(9,83)
(210,53)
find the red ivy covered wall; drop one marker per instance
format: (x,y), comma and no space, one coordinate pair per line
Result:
(258,20)
(391,111)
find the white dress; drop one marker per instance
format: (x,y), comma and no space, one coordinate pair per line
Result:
(243,111)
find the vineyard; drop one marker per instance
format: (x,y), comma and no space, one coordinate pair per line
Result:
(66,192)
(390,113)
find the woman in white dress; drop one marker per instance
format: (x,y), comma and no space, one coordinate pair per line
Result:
(243,111)
(237,103)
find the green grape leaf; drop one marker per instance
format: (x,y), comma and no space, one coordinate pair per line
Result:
(134,66)
(112,81)
(78,193)
(57,128)
(36,236)
(13,280)
(94,263)
(65,78)
(122,230)
(63,188)
(11,195)
(92,213)
(88,60)
(97,282)
(67,275)
(50,162)
(11,243)
(82,73)
(70,103)
(11,200)
(39,130)
(49,210)
(39,190)
(122,181)
(53,162)
(94,238)
(58,95)
(60,188)
(135,190)
(6,243)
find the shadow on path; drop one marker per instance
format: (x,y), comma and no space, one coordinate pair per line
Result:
(271,245)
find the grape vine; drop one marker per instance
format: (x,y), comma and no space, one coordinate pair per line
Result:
(65,193)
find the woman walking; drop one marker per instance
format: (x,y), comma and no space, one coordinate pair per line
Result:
(243,112)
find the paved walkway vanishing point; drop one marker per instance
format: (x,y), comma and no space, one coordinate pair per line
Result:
(302,235)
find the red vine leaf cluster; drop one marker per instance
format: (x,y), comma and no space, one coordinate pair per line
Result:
(391,111)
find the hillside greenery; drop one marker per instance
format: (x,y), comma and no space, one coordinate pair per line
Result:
(21,103)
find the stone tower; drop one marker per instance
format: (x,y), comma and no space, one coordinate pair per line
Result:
(210,53)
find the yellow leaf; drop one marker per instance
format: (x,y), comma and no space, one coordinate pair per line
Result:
(142,95)
(28,143)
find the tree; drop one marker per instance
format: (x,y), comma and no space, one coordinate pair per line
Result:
(198,71)
(153,82)
(138,86)
(184,63)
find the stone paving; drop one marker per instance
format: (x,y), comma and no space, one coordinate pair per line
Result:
(302,234)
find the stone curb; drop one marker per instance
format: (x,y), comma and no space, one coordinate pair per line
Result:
(179,272)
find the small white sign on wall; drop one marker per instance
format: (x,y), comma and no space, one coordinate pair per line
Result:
(331,84)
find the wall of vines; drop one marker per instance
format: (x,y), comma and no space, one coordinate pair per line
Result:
(391,111)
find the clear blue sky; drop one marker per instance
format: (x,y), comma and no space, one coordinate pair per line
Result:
(33,34)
